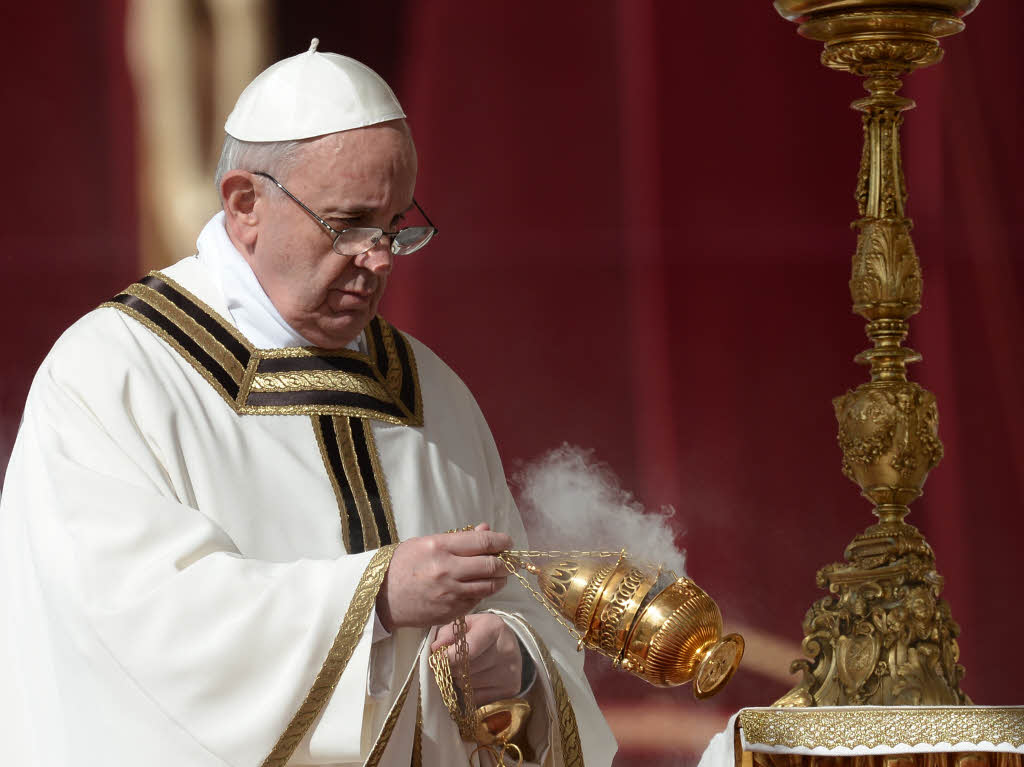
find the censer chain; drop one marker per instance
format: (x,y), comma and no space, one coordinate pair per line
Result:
(514,571)
(464,713)
(532,554)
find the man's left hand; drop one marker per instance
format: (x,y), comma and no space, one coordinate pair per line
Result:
(495,663)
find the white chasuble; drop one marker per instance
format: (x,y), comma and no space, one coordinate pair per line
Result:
(193,532)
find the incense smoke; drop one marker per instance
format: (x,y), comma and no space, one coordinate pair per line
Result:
(569,501)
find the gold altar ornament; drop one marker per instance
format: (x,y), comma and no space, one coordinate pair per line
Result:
(883,636)
(663,629)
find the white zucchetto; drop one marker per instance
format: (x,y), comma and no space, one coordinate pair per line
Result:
(311,94)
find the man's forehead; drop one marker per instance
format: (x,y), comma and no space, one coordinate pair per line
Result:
(367,145)
(361,170)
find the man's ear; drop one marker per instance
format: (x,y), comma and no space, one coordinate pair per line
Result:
(239,199)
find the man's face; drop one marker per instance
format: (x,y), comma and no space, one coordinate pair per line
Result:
(362,177)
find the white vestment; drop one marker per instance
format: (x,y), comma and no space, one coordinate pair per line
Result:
(174,581)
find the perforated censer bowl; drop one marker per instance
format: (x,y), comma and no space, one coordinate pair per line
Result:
(665,630)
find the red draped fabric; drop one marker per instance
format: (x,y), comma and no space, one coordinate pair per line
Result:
(644,251)
(68,233)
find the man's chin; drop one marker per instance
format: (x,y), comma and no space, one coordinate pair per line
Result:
(338,330)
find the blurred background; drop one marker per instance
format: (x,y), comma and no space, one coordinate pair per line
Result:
(644,251)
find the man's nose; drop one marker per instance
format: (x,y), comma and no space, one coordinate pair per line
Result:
(379,258)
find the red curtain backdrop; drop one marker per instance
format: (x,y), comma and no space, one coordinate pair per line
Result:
(644,251)
(68,233)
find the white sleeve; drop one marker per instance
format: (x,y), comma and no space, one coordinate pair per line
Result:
(134,598)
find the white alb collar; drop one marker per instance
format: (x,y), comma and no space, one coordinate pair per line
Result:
(250,307)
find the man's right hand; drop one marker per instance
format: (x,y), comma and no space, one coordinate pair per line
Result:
(434,579)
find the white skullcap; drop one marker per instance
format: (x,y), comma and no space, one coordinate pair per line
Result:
(310,95)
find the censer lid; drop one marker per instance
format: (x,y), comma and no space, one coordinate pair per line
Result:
(718,666)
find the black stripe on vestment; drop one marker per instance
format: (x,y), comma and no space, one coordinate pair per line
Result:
(316,398)
(208,323)
(380,351)
(358,427)
(191,347)
(356,544)
(408,394)
(292,364)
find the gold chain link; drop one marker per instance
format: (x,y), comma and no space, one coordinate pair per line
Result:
(514,571)
(532,554)
(466,715)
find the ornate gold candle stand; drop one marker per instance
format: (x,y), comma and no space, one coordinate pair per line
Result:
(881,682)
(882,636)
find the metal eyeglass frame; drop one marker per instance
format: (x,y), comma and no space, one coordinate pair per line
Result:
(373,238)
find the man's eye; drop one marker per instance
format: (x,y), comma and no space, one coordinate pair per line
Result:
(398,222)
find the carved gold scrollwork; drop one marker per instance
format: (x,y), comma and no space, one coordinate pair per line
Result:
(886,275)
(883,635)
(897,56)
(889,437)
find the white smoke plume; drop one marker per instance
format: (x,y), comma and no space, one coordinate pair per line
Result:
(570,501)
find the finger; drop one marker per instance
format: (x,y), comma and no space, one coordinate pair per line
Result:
(445,636)
(482,526)
(474,542)
(471,592)
(488,667)
(482,636)
(480,640)
(478,568)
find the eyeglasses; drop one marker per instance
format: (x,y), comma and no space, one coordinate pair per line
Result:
(357,240)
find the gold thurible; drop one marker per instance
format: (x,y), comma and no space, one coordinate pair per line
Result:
(883,636)
(664,629)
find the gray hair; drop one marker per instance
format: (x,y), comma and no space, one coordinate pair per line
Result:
(274,157)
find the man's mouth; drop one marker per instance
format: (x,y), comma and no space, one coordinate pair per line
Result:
(348,300)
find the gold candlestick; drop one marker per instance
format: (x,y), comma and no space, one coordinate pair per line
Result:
(883,636)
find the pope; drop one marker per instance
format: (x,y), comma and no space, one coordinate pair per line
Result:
(223,530)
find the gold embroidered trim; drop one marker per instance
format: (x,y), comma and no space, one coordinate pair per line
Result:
(353,481)
(389,725)
(345,642)
(394,376)
(378,387)
(321,443)
(350,462)
(244,386)
(173,343)
(231,329)
(888,726)
(319,380)
(382,482)
(568,730)
(199,334)
(351,412)
(297,352)
(417,393)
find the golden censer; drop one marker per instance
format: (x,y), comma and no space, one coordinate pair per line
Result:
(662,628)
